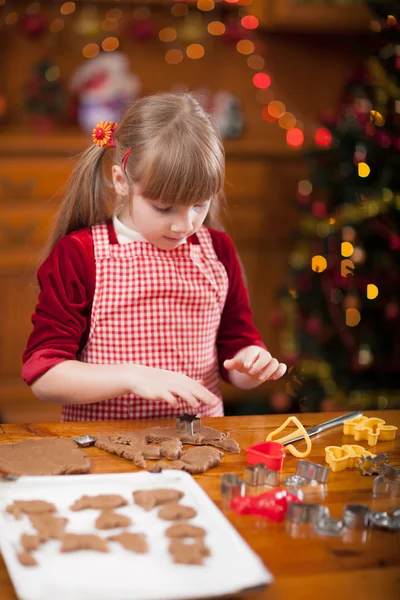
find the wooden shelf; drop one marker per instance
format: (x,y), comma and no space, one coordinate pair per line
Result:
(303,16)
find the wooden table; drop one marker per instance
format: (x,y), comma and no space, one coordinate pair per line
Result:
(358,565)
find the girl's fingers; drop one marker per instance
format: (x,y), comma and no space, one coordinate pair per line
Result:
(170,398)
(260,364)
(202,394)
(269,370)
(281,370)
(187,396)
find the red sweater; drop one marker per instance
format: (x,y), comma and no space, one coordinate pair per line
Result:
(67,279)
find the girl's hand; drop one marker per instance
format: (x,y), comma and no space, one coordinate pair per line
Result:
(162,385)
(257,363)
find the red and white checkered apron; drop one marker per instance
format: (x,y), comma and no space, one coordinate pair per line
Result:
(156,308)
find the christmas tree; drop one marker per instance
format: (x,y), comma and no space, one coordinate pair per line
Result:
(341,309)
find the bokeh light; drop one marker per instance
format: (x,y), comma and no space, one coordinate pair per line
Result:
(372,291)
(318,263)
(262,81)
(249,22)
(216,28)
(67,8)
(353,317)
(295,137)
(174,57)
(167,34)
(347,249)
(110,44)
(195,51)
(91,50)
(256,62)
(245,47)
(363,169)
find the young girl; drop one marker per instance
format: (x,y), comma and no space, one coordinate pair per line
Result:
(141,306)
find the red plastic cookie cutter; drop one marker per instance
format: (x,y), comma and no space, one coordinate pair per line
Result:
(272,504)
(269,453)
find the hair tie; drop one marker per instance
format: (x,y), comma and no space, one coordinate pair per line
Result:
(125,158)
(103,134)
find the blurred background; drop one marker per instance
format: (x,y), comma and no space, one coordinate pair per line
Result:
(307,97)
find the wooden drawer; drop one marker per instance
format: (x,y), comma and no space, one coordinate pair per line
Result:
(33,179)
(245,179)
(23,227)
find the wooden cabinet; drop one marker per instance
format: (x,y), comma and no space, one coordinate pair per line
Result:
(31,183)
(308,16)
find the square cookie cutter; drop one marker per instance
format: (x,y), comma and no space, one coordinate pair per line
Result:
(312,471)
(231,486)
(84,441)
(260,475)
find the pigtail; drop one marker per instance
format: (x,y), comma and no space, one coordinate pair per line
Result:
(87,198)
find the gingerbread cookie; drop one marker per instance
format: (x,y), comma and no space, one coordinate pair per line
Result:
(135,542)
(30,542)
(101,502)
(59,456)
(30,507)
(136,446)
(48,526)
(173,511)
(108,519)
(27,559)
(184,530)
(188,553)
(148,499)
(72,542)
(194,460)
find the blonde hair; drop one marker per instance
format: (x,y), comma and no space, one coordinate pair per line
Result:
(176,156)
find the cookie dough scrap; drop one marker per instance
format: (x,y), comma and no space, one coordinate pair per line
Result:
(194,460)
(135,542)
(109,519)
(188,553)
(48,526)
(72,542)
(47,456)
(185,530)
(173,511)
(30,507)
(102,501)
(149,499)
(136,446)
(26,559)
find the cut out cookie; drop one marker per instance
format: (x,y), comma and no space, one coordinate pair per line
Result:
(30,507)
(59,456)
(135,542)
(136,446)
(184,530)
(148,499)
(194,460)
(188,553)
(48,526)
(27,559)
(30,542)
(103,501)
(72,542)
(109,519)
(174,511)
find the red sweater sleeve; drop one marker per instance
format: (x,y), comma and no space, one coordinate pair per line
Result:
(61,321)
(236,330)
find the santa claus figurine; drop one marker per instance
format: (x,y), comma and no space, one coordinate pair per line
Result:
(104,85)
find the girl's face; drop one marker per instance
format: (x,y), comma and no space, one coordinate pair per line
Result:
(166,227)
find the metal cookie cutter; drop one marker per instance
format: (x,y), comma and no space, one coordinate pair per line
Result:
(260,475)
(326,526)
(357,516)
(368,465)
(388,483)
(306,513)
(384,521)
(231,486)
(295,481)
(188,423)
(312,471)
(85,440)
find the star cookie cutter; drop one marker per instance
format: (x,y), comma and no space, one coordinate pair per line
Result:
(387,483)
(344,457)
(371,429)
(370,465)
(382,520)
(188,423)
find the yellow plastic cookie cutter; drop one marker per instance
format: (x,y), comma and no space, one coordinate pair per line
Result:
(371,429)
(299,431)
(344,457)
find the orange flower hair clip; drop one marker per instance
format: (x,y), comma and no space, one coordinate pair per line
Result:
(103,134)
